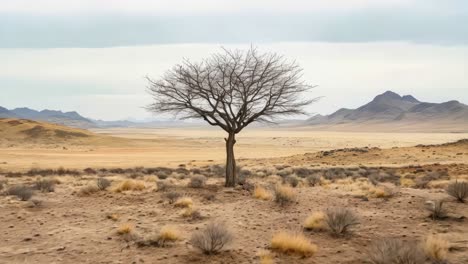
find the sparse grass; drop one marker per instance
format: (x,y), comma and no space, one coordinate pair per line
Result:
(315,221)
(395,251)
(45,185)
(103,183)
(262,193)
(184,202)
(125,229)
(436,248)
(23,192)
(212,239)
(436,208)
(166,236)
(265,257)
(340,221)
(293,243)
(88,190)
(284,194)
(381,191)
(197,181)
(458,190)
(130,185)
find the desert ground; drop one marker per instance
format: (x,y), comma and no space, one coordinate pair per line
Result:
(389,181)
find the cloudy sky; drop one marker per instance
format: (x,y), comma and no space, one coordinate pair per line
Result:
(92,55)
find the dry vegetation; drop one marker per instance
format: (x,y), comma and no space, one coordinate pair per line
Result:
(182,214)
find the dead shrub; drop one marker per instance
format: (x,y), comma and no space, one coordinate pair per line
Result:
(284,194)
(293,243)
(192,213)
(316,221)
(458,190)
(302,172)
(125,229)
(436,249)
(395,251)
(172,196)
(293,181)
(436,209)
(130,185)
(197,181)
(163,186)
(314,179)
(183,202)
(23,192)
(262,193)
(423,182)
(45,185)
(340,220)
(212,239)
(88,190)
(103,183)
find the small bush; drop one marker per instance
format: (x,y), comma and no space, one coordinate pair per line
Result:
(192,213)
(166,235)
(436,248)
(314,179)
(23,192)
(302,172)
(265,257)
(184,202)
(436,208)
(293,181)
(316,221)
(284,194)
(163,186)
(88,190)
(293,243)
(44,185)
(130,185)
(262,193)
(212,239)
(172,196)
(340,220)
(90,171)
(197,181)
(103,183)
(458,190)
(125,229)
(395,251)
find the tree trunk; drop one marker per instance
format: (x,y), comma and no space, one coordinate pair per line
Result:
(230,161)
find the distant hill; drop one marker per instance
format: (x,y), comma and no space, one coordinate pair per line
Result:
(402,112)
(72,119)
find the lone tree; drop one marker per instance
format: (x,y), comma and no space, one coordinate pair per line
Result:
(232,89)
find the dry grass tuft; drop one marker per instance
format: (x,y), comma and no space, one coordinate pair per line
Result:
(395,251)
(436,248)
(293,243)
(103,183)
(125,229)
(265,257)
(458,190)
(192,213)
(340,220)
(88,190)
(184,202)
(316,221)
(113,217)
(284,194)
(212,239)
(168,234)
(262,193)
(436,208)
(130,185)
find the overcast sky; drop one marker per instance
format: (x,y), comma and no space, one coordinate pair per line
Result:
(91,55)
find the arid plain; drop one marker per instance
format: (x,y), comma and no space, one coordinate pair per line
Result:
(386,179)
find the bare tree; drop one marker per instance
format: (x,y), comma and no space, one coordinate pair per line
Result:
(232,89)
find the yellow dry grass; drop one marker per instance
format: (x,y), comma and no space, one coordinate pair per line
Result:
(293,243)
(130,185)
(184,202)
(316,221)
(124,229)
(88,190)
(169,233)
(436,248)
(262,193)
(265,257)
(284,193)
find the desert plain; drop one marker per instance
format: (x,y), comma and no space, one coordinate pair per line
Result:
(387,180)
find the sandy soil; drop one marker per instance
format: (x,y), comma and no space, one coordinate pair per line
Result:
(71,228)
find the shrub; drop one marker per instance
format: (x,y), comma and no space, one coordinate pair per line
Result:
(316,221)
(44,185)
(130,185)
(293,181)
(168,234)
(284,194)
(103,183)
(172,196)
(314,179)
(265,257)
(162,186)
(395,251)
(88,190)
(436,208)
(458,190)
(212,239)
(261,193)
(90,171)
(23,192)
(125,229)
(293,243)
(302,172)
(192,213)
(184,202)
(340,220)
(436,248)
(197,181)
(243,175)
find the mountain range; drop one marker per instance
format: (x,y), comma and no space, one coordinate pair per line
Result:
(393,109)
(388,109)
